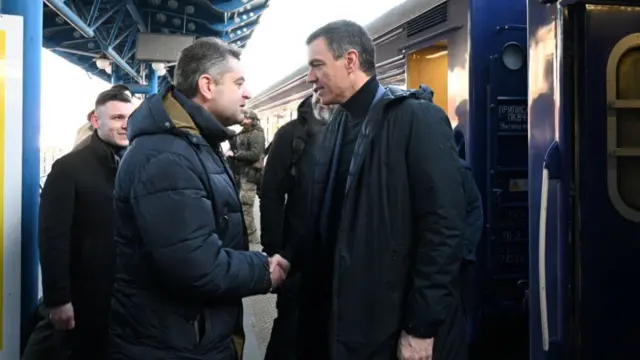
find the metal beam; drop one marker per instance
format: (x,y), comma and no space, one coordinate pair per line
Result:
(77,52)
(238,33)
(66,13)
(78,23)
(133,10)
(121,37)
(245,17)
(106,16)
(94,12)
(151,87)
(116,26)
(231,6)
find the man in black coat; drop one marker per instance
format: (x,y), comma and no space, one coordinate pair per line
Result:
(76,246)
(381,260)
(183,261)
(283,204)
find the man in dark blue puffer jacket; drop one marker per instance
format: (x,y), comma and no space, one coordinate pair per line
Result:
(182,260)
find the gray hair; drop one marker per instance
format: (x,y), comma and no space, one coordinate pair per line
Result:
(345,35)
(205,56)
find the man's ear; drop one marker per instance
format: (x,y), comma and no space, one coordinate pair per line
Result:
(94,120)
(206,85)
(352,60)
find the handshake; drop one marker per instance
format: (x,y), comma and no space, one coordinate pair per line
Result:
(278,270)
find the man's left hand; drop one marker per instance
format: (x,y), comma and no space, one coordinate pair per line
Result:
(413,348)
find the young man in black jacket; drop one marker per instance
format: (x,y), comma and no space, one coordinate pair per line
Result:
(283,203)
(76,228)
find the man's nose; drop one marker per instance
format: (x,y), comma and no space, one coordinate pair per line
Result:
(311,77)
(124,123)
(246,94)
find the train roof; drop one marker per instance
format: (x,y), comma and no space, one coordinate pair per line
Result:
(378,28)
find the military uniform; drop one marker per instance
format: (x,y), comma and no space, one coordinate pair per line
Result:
(250,158)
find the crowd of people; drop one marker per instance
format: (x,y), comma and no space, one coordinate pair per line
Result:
(369,219)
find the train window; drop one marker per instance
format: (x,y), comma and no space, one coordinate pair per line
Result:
(623,137)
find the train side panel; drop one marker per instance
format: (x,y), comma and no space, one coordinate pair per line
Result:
(498,153)
(584,156)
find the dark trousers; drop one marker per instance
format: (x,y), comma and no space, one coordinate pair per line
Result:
(87,341)
(469,294)
(282,344)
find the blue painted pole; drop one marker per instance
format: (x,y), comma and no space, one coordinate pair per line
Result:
(152,81)
(31,11)
(150,88)
(116,74)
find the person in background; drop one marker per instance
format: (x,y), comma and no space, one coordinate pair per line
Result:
(381,259)
(233,164)
(76,228)
(84,132)
(249,158)
(183,261)
(283,204)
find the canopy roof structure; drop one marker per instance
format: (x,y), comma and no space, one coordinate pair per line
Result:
(82,31)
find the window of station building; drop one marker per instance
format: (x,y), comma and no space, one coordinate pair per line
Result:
(623,130)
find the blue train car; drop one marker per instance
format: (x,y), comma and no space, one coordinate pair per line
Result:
(584,162)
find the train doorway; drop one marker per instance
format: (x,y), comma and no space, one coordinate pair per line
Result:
(429,66)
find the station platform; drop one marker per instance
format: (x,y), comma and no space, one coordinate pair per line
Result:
(259,312)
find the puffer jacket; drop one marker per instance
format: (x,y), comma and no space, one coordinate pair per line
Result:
(182,265)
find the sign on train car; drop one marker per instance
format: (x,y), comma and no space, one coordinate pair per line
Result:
(512,115)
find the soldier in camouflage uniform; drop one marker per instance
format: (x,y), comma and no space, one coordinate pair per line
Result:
(250,158)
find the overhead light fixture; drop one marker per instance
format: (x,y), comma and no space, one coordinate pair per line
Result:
(103,62)
(159,68)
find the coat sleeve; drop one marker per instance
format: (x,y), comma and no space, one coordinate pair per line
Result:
(475,217)
(55,219)
(256,148)
(176,222)
(276,182)
(436,184)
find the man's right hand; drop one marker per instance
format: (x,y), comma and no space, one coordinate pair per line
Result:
(278,269)
(62,317)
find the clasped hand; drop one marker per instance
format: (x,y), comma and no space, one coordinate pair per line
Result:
(413,348)
(278,270)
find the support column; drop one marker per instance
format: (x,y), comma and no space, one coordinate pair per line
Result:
(31,11)
(152,80)
(116,74)
(152,83)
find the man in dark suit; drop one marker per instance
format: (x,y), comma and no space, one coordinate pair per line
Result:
(76,245)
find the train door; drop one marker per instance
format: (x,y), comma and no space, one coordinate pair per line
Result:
(607,183)
(503,321)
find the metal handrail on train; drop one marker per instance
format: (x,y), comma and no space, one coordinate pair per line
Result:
(542,257)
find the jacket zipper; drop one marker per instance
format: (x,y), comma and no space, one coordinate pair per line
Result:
(196,327)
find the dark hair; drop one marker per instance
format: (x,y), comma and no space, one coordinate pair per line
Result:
(344,35)
(120,87)
(112,95)
(205,56)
